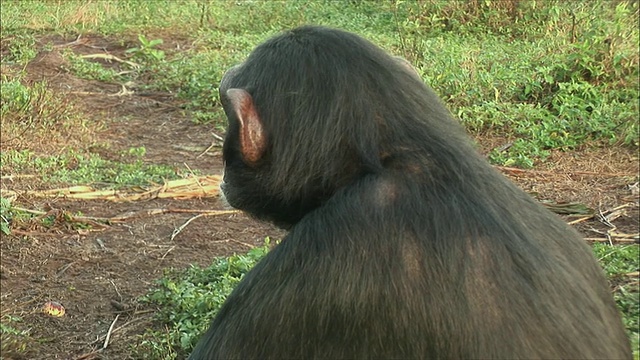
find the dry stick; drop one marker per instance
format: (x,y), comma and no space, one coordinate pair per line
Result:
(179,229)
(77,218)
(19,176)
(111,57)
(606,211)
(128,323)
(615,240)
(65,268)
(77,41)
(116,288)
(205,212)
(28,233)
(210,213)
(213,143)
(35,212)
(167,253)
(106,340)
(85,356)
(590,173)
(237,242)
(194,176)
(150,212)
(623,235)
(95,221)
(580,220)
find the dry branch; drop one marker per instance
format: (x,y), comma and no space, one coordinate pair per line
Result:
(542,172)
(191,187)
(109,57)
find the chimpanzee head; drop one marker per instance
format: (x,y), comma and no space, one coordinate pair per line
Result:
(310,111)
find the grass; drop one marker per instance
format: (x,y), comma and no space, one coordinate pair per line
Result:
(78,168)
(618,262)
(546,76)
(188,299)
(497,66)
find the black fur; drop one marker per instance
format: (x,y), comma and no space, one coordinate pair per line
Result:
(404,242)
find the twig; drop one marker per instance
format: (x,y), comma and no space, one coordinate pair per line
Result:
(35,212)
(65,268)
(128,323)
(106,340)
(179,229)
(115,287)
(195,177)
(206,150)
(609,211)
(77,41)
(589,173)
(123,91)
(110,57)
(242,243)
(151,212)
(94,221)
(616,240)
(620,207)
(213,143)
(580,220)
(19,176)
(28,233)
(167,252)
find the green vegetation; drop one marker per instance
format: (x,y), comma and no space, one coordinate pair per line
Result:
(91,70)
(75,168)
(544,75)
(548,75)
(5,216)
(14,343)
(618,262)
(188,299)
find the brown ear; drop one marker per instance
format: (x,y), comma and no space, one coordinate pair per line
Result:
(253,139)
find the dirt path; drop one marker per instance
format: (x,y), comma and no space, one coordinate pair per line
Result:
(98,273)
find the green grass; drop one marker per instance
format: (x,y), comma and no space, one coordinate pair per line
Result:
(546,75)
(14,343)
(78,168)
(618,262)
(188,299)
(549,76)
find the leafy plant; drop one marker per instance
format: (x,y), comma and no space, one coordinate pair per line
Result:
(187,300)
(78,168)
(146,51)
(617,262)
(91,70)
(5,216)
(14,343)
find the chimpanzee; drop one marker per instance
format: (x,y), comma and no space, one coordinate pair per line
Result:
(403,241)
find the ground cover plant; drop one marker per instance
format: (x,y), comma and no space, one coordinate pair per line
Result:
(122,96)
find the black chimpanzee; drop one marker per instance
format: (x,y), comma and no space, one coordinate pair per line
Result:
(403,241)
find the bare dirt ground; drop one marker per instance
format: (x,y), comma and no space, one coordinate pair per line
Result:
(99,272)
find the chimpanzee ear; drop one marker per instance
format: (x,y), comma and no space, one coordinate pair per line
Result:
(253,139)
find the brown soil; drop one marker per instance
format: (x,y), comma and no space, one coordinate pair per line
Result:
(95,273)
